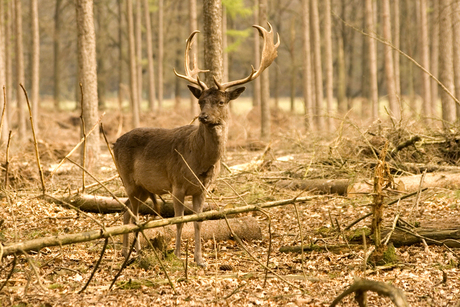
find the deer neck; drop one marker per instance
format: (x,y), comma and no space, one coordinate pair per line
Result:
(210,141)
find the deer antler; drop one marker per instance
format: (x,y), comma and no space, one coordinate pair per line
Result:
(269,53)
(191,75)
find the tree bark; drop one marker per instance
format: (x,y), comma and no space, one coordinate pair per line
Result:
(426,89)
(389,65)
(456,50)
(256,82)
(160,54)
(265,125)
(57,55)
(446,65)
(138,40)
(329,65)
(434,22)
(133,89)
(88,76)
(20,100)
(3,47)
(35,93)
(212,14)
(8,57)
(374,92)
(292,52)
(193,51)
(318,108)
(306,56)
(150,62)
(396,43)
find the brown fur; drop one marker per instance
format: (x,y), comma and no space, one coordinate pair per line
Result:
(151,160)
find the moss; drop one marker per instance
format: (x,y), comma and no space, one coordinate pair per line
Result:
(389,255)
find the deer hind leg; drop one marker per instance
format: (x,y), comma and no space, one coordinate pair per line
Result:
(198,201)
(156,206)
(178,201)
(134,199)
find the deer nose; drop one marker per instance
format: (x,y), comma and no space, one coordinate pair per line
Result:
(203,117)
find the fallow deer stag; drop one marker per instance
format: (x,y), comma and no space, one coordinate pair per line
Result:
(183,161)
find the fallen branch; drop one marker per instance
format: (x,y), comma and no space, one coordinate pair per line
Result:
(320,186)
(91,235)
(361,286)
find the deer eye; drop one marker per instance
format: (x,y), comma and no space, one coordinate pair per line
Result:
(221,102)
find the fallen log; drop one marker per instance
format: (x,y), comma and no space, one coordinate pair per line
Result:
(37,244)
(104,204)
(447,180)
(432,236)
(319,186)
(246,228)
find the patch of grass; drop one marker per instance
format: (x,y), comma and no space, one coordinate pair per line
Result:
(55,286)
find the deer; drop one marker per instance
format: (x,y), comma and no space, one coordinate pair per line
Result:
(183,161)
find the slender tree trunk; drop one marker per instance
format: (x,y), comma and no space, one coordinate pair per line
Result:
(20,100)
(292,52)
(306,56)
(456,29)
(389,68)
(396,43)
(3,46)
(426,90)
(35,93)
(138,39)
(133,89)
(8,58)
(179,50)
(212,14)
(329,64)
(319,119)
(88,76)
(160,54)
(120,52)
(374,93)
(265,128)
(434,57)
(224,46)
(149,42)
(276,84)
(193,51)
(446,65)
(256,82)
(57,55)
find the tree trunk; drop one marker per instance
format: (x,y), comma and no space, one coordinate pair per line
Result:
(35,93)
(329,64)
(160,54)
(149,42)
(256,82)
(318,110)
(20,100)
(434,57)
(88,76)
(9,57)
(396,43)
(389,68)
(133,89)
(212,14)
(426,90)
(193,51)
(138,39)
(456,50)
(306,56)
(3,46)
(120,55)
(265,126)
(446,65)
(374,93)
(292,52)
(57,55)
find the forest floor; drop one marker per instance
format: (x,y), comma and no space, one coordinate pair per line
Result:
(429,275)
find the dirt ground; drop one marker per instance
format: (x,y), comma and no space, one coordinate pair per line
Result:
(429,275)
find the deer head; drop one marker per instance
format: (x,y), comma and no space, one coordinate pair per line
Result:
(219,94)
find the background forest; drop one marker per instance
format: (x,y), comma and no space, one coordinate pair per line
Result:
(345,67)
(340,167)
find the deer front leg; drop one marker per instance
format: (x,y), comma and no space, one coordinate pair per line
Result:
(133,205)
(198,201)
(178,201)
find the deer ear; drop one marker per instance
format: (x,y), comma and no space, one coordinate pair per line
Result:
(235,93)
(195,91)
